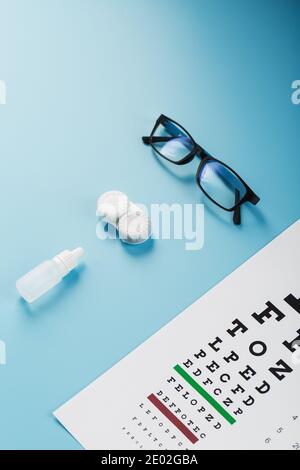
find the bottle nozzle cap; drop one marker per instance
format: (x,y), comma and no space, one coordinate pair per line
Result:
(77,253)
(68,260)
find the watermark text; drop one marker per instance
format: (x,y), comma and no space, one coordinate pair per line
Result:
(296,93)
(2,92)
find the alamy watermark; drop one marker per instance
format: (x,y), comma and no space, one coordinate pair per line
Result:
(2,353)
(168,221)
(2,92)
(295,97)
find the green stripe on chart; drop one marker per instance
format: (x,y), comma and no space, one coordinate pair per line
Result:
(204,394)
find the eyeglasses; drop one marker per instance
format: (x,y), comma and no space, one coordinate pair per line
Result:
(220,183)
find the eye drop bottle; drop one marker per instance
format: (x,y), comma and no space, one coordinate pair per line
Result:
(48,274)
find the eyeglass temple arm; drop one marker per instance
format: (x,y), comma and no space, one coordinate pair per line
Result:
(237,210)
(253,198)
(154,140)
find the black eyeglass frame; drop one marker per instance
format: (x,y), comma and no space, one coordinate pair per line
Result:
(205,157)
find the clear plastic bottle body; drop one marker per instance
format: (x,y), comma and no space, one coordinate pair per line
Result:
(39,280)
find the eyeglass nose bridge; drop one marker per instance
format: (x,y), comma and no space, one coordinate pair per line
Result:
(200,151)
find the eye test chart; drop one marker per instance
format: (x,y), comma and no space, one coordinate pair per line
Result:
(224,374)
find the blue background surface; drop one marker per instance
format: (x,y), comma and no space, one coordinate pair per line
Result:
(85,80)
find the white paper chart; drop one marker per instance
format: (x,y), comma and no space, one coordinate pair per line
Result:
(224,374)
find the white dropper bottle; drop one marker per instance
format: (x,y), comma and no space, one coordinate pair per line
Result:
(47,274)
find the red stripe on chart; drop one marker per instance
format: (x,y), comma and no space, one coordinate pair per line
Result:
(171,417)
